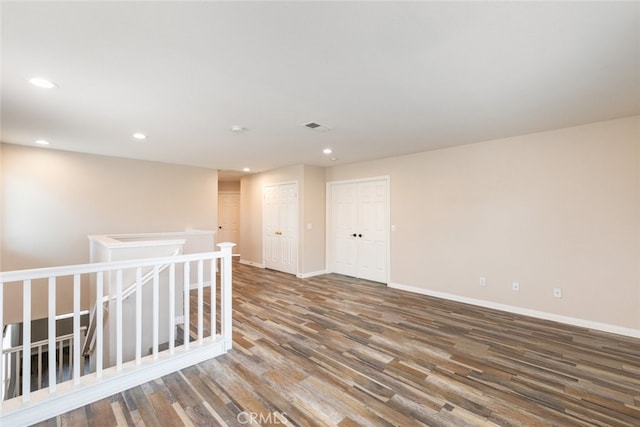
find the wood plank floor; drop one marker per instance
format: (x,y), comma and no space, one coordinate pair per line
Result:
(337,351)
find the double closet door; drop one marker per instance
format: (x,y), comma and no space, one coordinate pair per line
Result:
(359,229)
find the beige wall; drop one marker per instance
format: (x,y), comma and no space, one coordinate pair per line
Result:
(551,209)
(311,192)
(314,212)
(230,186)
(54,199)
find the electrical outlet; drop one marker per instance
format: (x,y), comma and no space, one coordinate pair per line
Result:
(483,281)
(557,292)
(515,286)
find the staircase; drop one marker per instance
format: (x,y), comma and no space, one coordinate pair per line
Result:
(114,340)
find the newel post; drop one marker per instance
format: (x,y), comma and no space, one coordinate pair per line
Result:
(225,296)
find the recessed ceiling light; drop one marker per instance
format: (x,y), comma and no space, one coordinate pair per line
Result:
(43,83)
(42,142)
(139,135)
(246,170)
(327,151)
(333,159)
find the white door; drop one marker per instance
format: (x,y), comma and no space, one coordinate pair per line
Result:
(359,229)
(343,233)
(229,219)
(280,241)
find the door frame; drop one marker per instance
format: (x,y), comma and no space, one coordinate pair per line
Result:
(329,225)
(297,227)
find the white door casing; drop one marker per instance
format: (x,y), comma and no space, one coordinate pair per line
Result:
(280,219)
(358,238)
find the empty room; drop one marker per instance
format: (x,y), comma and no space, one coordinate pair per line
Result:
(324,213)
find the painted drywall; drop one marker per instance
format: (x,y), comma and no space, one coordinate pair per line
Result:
(551,209)
(54,199)
(229,186)
(313,214)
(311,196)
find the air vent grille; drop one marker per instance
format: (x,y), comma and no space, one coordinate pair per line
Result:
(317,127)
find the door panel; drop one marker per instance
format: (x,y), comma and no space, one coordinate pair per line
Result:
(344,213)
(372,211)
(281,227)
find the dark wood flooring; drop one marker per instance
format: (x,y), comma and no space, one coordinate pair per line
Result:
(337,351)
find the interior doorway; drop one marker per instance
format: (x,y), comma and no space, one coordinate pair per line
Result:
(229,214)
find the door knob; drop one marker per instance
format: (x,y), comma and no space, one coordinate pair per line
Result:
(279,233)
(359,235)
(220,227)
(353,235)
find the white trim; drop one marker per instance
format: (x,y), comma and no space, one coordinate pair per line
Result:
(251,263)
(356,180)
(312,274)
(589,324)
(44,405)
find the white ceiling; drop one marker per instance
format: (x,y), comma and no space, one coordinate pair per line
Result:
(388,78)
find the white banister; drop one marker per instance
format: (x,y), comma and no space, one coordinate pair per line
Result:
(226,305)
(2,365)
(172,308)
(26,339)
(119,319)
(51,321)
(99,320)
(214,301)
(70,384)
(138,316)
(76,329)
(156,312)
(200,302)
(185,290)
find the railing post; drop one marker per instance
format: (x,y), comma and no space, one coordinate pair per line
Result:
(52,335)
(26,340)
(226,305)
(2,365)
(99,324)
(172,307)
(138,316)
(76,329)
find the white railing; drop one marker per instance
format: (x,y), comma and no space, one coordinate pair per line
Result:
(59,397)
(88,345)
(12,359)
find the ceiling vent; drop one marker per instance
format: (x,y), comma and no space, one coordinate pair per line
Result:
(317,127)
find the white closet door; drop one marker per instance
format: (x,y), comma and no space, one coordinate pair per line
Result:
(280,209)
(359,229)
(372,230)
(344,238)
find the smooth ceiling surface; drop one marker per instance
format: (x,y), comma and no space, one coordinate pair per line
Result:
(388,78)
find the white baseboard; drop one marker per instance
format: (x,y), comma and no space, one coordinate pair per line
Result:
(251,263)
(605,327)
(313,273)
